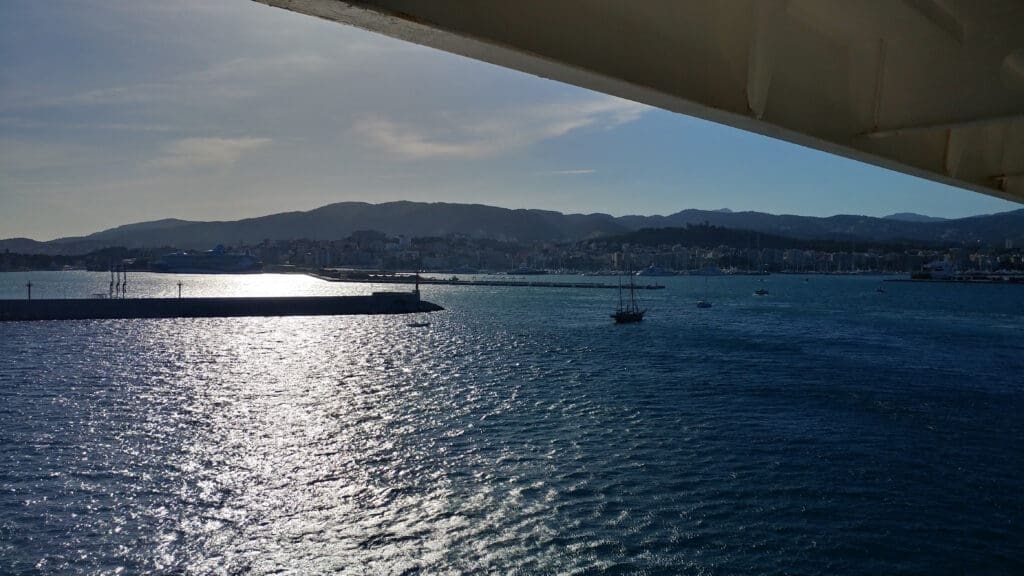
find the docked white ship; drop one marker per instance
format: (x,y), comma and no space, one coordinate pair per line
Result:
(216,261)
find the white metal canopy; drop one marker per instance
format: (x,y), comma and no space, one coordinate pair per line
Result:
(933,88)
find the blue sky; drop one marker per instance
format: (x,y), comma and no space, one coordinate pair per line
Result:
(117,111)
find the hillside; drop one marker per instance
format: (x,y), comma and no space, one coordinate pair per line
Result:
(418,219)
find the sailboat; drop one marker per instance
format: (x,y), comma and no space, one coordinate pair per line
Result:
(628,312)
(704,302)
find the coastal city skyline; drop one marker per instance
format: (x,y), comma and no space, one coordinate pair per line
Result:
(470,239)
(112,113)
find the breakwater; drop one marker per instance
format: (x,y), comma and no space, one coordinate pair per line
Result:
(411,280)
(109,308)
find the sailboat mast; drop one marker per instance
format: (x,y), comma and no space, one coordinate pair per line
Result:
(632,291)
(620,289)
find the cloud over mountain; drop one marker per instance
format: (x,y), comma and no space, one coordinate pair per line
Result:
(206,152)
(477,136)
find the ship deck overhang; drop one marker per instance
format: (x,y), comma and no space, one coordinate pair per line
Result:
(933,88)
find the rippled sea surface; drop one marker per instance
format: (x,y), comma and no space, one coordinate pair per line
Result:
(825,428)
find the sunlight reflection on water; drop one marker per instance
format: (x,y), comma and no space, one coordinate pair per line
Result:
(521,432)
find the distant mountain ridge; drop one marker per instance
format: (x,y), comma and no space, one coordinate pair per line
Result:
(419,219)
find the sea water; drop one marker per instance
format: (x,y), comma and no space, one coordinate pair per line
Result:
(825,428)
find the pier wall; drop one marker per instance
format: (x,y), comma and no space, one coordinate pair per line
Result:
(96,308)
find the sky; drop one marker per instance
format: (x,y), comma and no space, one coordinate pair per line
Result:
(120,111)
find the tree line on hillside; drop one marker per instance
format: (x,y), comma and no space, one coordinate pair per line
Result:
(103,259)
(708,235)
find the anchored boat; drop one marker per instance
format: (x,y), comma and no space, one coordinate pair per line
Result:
(629,311)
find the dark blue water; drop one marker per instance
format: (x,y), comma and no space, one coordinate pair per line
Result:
(825,428)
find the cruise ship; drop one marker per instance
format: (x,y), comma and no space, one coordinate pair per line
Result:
(216,261)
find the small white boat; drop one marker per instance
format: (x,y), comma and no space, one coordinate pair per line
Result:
(704,302)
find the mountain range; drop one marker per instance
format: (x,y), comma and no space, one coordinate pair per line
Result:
(419,219)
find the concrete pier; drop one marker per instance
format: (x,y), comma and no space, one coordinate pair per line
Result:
(104,308)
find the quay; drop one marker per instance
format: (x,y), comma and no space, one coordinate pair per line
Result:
(1018,280)
(112,308)
(411,279)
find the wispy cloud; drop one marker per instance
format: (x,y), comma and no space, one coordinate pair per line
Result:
(575,172)
(20,157)
(206,152)
(294,64)
(502,130)
(232,79)
(22,123)
(410,142)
